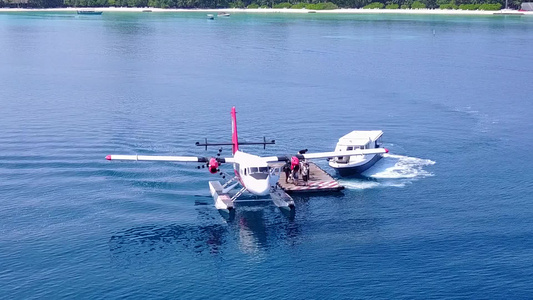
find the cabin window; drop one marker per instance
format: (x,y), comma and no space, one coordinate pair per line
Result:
(342,159)
(244,171)
(349,148)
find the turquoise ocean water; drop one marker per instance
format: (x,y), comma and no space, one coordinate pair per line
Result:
(448,214)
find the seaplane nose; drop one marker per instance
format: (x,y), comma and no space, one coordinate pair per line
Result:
(261,188)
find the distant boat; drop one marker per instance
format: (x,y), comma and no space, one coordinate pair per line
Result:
(508,11)
(210,16)
(89,12)
(223,14)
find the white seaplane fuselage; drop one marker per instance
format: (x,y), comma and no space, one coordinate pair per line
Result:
(255,173)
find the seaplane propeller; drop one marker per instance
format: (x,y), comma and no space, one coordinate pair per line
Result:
(212,163)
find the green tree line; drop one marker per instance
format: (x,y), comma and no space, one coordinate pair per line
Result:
(310,4)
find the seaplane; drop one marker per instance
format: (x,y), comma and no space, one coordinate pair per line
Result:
(256,175)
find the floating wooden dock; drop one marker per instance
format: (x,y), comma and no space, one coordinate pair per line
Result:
(319,181)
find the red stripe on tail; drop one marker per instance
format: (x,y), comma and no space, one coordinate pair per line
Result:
(234,138)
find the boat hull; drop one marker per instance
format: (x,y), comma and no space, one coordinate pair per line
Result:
(81,12)
(350,170)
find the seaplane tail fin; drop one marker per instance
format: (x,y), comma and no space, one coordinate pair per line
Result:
(234,136)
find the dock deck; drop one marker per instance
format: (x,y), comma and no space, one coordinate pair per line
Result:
(319,181)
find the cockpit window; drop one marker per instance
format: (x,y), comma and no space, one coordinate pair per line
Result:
(259,173)
(259,170)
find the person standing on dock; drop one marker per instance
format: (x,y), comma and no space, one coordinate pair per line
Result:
(305,172)
(287,170)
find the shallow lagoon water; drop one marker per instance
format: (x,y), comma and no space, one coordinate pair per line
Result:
(446,215)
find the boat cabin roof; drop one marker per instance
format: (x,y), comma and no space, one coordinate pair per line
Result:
(360,137)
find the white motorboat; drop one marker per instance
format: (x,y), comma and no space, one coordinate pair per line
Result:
(89,12)
(509,12)
(353,141)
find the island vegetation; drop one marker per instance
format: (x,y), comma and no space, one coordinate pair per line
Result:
(309,4)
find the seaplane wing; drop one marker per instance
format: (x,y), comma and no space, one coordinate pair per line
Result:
(159,158)
(343,153)
(199,159)
(272,159)
(212,163)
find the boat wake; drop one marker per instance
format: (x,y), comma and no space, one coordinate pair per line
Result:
(391,171)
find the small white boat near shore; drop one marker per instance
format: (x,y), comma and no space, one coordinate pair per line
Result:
(353,141)
(88,12)
(509,12)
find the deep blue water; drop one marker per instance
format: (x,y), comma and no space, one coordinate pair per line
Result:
(448,214)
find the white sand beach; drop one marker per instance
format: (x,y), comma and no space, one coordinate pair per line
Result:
(271,10)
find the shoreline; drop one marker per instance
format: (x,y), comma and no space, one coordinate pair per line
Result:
(272,10)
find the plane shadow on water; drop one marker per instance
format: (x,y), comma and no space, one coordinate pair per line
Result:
(245,201)
(253,228)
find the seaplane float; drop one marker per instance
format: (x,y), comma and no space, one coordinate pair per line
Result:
(257,175)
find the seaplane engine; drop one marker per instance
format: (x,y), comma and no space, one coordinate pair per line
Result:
(213,165)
